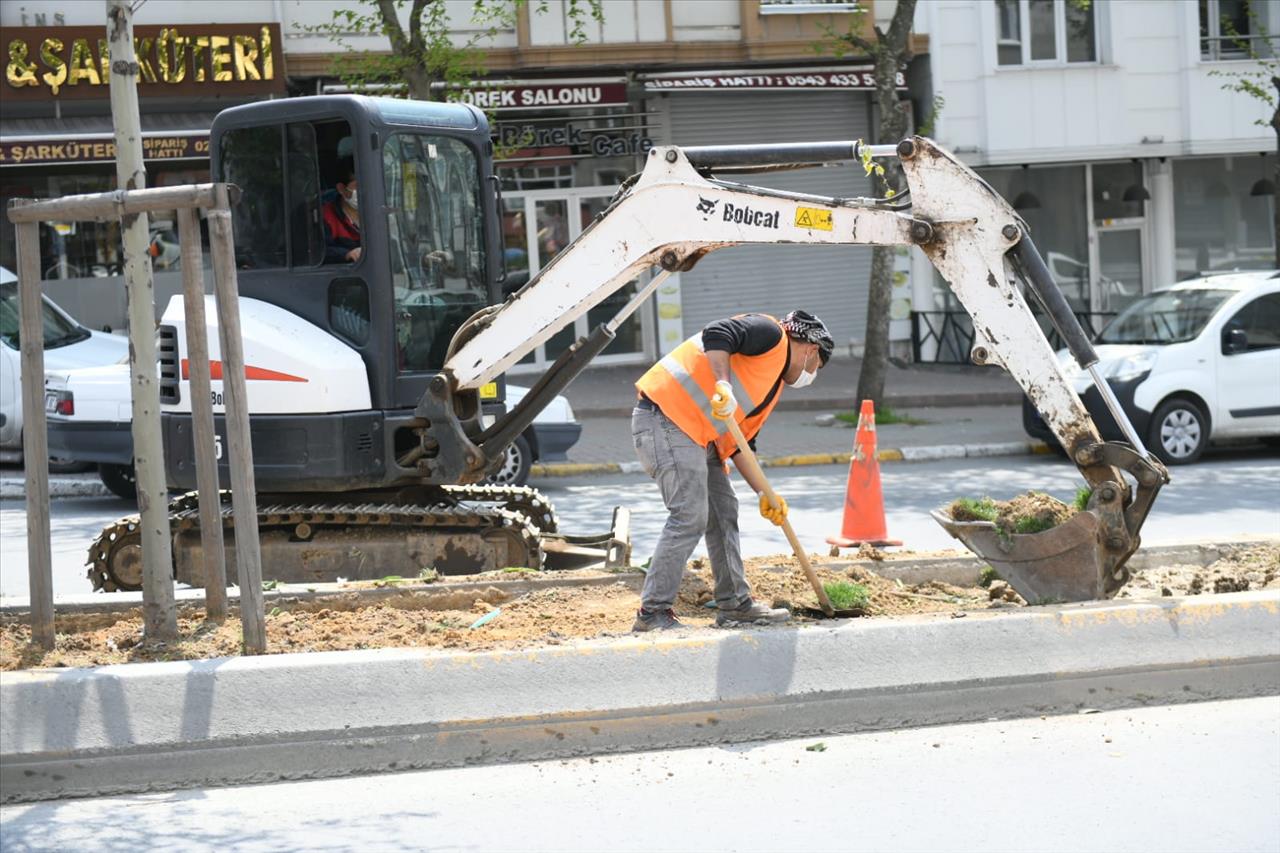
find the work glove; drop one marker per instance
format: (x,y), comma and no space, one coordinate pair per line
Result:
(722,403)
(775,514)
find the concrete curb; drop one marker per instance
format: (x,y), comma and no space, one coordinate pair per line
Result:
(59,487)
(892,454)
(91,732)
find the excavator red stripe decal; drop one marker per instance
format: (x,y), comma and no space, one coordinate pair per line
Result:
(250,372)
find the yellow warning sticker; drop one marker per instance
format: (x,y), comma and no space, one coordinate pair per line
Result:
(489,391)
(812,217)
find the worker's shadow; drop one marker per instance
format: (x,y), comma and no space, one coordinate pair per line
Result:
(756,666)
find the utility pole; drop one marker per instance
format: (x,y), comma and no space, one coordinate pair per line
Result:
(159,612)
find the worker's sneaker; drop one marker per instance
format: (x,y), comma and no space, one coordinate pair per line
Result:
(751,613)
(655,620)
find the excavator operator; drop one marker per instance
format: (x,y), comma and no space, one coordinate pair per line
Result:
(342,218)
(736,368)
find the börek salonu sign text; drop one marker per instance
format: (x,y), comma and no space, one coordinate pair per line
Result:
(204,59)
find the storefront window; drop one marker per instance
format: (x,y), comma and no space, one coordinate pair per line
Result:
(1051,200)
(1219,223)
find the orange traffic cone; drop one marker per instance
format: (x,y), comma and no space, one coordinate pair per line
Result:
(863,504)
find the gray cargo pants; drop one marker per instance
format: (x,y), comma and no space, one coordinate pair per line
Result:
(700,500)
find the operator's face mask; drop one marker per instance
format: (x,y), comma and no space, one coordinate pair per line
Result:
(806,376)
(353,199)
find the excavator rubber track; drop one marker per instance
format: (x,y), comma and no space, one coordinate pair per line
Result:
(481,528)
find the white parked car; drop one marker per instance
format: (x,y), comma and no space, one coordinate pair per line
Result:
(92,413)
(1195,362)
(67,344)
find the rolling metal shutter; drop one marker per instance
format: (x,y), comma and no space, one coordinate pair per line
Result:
(830,281)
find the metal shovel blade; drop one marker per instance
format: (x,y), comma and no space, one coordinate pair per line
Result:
(1058,565)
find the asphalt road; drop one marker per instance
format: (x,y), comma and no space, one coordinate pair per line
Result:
(1197,777)
(1229,495)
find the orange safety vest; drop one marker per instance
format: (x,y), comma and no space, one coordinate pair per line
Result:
(681,384)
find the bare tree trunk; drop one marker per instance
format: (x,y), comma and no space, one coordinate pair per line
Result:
(890,52)
(1275,177)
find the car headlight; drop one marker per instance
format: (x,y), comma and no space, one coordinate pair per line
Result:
(1131,366)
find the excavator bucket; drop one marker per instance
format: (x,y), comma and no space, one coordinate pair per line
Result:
(1062,564)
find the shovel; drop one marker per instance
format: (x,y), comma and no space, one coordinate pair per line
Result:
(753,465)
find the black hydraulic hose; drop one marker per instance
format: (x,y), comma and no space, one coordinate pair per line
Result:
(1033,269)
(782,154)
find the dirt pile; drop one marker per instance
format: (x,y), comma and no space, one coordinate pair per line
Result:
(442,619)
(1238,570)
(1032,512)
(551,616)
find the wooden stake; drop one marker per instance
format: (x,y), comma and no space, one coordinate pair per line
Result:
(203,443)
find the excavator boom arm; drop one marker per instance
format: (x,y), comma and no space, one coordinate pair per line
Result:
(678,210)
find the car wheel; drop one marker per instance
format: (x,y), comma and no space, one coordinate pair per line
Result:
(1179,432)
(515,465)
(120,480)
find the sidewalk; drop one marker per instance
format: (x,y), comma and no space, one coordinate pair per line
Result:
(795,438)
(610,391)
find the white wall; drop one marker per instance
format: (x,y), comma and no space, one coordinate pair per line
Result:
(1151,83)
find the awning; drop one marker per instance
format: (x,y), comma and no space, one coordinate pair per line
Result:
(90,139)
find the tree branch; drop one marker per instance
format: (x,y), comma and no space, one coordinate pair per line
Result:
(415,25)
(391,23)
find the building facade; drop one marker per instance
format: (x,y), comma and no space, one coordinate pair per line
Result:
(1107,126)
(572,121)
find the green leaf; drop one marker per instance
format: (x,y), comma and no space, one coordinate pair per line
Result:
(816,747)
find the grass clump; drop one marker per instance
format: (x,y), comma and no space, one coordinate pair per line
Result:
(968,509)
(884,417)
(847,596)
(1081,502)
(1033,524)
(987,576)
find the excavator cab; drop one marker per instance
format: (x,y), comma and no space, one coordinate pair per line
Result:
(374,221)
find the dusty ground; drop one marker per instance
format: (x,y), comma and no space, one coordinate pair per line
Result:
(552,616)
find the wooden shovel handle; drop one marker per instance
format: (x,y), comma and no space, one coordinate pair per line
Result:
(753,465)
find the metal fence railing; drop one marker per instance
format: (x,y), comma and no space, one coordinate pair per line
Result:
(946,337)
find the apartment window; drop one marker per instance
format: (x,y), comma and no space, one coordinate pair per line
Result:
(1045,31)
(1233,29)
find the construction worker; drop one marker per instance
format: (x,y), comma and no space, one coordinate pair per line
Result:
(733,368)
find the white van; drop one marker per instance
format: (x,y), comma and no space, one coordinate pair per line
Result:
(1195,362)
(67,344)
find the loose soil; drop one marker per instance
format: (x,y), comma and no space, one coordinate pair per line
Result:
(545,617)
(1036,509)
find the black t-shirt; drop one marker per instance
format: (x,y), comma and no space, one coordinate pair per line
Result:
(748,334)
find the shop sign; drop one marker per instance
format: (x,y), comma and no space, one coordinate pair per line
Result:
(34,152)
(568,141)
(536,96)
(857,78)
(205,59)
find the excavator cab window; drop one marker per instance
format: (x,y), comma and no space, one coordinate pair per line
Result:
(435,226)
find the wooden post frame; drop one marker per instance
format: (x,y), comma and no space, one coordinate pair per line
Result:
(202,430)
(217,198)
(35,437)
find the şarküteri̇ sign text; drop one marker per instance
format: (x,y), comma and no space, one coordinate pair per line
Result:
(75,62)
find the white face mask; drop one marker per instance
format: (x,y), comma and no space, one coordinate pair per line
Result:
(353,200)
(805,378)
